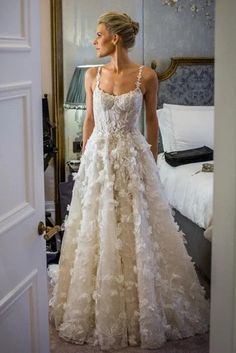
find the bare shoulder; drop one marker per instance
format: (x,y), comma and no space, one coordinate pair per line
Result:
(149,80)
(90,77)
(149,75)
(91,72)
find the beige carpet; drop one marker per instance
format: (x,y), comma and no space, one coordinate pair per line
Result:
(196,344)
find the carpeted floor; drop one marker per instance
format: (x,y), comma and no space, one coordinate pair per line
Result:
(196,344)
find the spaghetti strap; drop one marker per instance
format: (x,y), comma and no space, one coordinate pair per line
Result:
(98,76)
(137,83)
(139,77)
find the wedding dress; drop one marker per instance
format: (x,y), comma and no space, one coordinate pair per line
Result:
(125,277)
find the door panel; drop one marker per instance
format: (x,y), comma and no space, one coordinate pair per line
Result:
(18,181)
(23,277)
(20,303)
(14,24)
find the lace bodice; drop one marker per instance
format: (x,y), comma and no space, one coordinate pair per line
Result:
(117,113)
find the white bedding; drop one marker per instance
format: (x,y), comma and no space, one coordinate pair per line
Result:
(189,192)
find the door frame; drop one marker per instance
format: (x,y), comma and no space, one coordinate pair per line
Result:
(223,285)
(57,98)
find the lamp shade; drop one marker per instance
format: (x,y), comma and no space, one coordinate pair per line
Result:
(76,95)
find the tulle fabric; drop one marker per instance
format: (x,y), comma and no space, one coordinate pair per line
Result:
(125,277)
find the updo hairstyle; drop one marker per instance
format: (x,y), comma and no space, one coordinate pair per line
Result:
(121,24)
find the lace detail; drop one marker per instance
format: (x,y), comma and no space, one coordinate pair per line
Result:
(98,76)
(125,277)
(139,77)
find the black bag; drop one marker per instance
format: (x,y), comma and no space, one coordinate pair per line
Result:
(193,155)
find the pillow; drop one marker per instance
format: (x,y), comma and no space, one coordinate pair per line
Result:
(188,107)
(165,126)
(186,127)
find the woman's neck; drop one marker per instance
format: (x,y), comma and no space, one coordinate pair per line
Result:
(120,60)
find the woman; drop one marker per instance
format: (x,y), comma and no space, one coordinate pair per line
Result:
(125,277)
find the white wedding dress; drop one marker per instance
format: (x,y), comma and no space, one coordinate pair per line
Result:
(125,277)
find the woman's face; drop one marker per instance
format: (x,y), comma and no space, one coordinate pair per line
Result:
(104,42)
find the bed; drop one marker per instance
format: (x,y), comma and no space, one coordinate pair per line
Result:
(186,120)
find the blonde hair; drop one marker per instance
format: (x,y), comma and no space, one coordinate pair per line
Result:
(121,24)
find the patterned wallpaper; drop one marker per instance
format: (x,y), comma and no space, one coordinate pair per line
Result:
(190,85)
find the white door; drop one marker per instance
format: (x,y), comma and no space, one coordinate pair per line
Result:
(23,285)
(223,288)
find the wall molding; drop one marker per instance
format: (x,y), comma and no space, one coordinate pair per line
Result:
(27,206)
(28,286)
(23,40)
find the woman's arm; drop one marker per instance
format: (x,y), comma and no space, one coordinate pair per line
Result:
(90,77)
(150,98)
